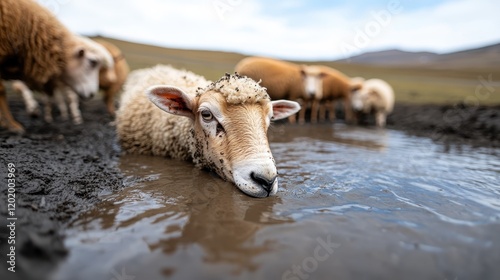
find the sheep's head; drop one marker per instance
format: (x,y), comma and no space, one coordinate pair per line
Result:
(312,79)
(364,99)
(231,118)
(84,61)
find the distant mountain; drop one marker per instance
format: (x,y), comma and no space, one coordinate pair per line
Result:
(484,57)
(392,57)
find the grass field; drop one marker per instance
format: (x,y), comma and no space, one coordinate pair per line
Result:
(413,85)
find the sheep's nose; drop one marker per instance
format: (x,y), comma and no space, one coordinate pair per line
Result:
(86,97)
(263,181)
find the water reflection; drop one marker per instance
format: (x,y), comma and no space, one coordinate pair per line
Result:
(186,207)
(369,138)
(398,206)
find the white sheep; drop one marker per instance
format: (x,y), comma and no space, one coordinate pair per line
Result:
(37,49)
(374,97)
(63,95)
(220,126)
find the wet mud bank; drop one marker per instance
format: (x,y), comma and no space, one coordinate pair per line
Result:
(450,124)
(62,170)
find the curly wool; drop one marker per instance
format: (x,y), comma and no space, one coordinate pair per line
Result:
(34,45)
(142,127)
(230,87)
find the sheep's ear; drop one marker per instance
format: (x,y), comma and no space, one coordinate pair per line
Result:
(171,100)
(374,93)
(356,86)
(284,108)
(302,71)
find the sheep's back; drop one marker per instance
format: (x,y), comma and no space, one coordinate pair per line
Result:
(281,79)
(384,90)
(34,41)
(121,66)
(335,84)
(142,127)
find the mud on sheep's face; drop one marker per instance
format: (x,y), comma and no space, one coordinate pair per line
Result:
(229,139)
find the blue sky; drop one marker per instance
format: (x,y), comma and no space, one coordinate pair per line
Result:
(293,29)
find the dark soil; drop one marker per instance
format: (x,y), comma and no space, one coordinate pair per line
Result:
(450,124)
(62,169)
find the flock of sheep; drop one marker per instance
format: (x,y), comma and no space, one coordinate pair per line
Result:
(320,87)
(218,125)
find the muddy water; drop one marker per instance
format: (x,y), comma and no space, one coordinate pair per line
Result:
(353,203)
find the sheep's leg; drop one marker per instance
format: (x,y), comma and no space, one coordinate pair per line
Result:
(331,113)
(380,118)
(314,111)
(31,104)
(302,113)
(322,111)
(348,110)
(109,98)
(6,116)
(76,114)
(61,104)
(47,108)
(293,118)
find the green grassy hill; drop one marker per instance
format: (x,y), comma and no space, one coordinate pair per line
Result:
(415,85)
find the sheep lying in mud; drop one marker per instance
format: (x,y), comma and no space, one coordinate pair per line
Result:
(283,80)
(374,97)
(112,75)
(220,126)
(37,49)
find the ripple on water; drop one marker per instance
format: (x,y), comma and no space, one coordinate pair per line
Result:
(397,206)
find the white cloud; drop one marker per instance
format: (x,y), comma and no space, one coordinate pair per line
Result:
(447,27)
(247,27)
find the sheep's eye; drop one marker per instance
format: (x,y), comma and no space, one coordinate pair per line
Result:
(207,116)
(93,63)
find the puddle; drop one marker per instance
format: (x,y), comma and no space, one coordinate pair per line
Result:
(353,203)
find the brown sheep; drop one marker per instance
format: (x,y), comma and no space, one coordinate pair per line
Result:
(111,88)
(283,80)
(336,86)
(112,76)
(37,49)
